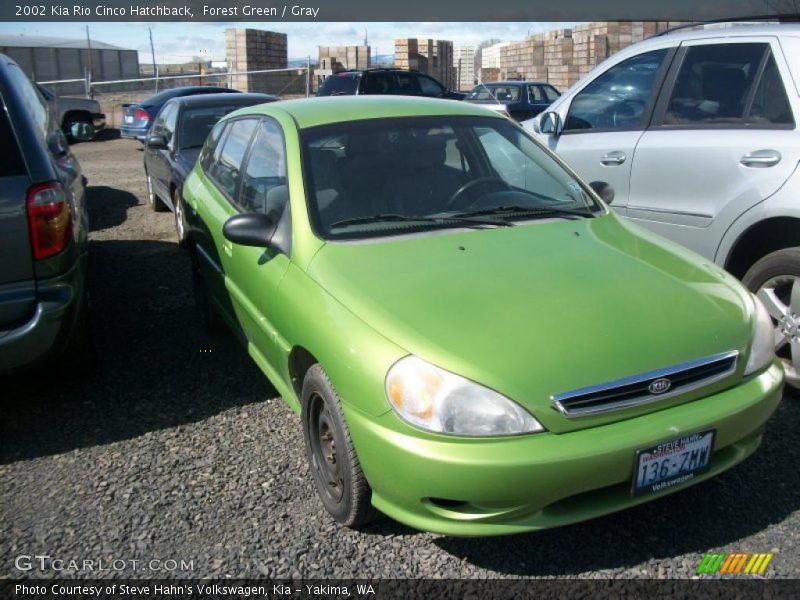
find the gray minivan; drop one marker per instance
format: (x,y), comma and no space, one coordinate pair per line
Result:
(43,231)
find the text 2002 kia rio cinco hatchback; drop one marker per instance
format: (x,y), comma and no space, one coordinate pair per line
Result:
(475,344)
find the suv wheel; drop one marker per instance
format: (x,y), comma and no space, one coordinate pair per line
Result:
(332,459)
(75,121)
(775,279)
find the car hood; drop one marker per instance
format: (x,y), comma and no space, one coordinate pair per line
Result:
(542,308)
(185,159)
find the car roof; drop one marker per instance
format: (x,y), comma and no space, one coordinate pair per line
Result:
(226,99)
(311,112)
(722,30)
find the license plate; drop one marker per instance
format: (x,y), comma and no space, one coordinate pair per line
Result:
(128,119)
(671,463)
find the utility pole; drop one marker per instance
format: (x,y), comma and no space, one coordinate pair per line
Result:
(88,64)
(308,76)
(153,55)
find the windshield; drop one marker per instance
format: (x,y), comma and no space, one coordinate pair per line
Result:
(495,93)
(196,123)
(403,175)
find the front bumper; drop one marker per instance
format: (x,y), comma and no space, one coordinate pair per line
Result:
(134,133)
(530,482)
(45,334)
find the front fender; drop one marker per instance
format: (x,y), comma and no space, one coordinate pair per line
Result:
(355,357)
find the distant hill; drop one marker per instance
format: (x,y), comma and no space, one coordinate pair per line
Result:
(383,60)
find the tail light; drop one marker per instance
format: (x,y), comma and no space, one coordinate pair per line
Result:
(141,115)
(49,219)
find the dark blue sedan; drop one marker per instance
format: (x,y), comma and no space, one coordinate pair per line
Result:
(520,100)
(136,118)
(174,143)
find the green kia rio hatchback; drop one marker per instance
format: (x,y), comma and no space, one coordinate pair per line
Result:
(475,344)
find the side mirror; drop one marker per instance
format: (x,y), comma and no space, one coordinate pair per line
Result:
(550,122)
(250,229)
(604,190)
(156,142)
(83,132)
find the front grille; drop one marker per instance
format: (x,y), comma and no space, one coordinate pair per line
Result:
(643,388)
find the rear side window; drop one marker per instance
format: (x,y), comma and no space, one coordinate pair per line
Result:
(11,163)
(405,84)
(377,83)
(770,105)
(714,83)
(617,99)
(33,102)
(264,187)
(341,84)
(225,169)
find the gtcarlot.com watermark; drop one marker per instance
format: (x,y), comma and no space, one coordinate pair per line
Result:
(47,563)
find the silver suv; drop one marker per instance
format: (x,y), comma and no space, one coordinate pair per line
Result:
(696,133)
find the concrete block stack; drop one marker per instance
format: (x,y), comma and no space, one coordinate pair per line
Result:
(254,50)
(434,57)
(563,56)
(523,60)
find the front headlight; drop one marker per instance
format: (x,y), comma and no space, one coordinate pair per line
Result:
(440,401)
(762,351)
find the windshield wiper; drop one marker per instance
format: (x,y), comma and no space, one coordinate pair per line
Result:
(526,210)
(445,220)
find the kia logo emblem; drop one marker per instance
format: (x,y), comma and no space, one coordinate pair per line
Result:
(659,386)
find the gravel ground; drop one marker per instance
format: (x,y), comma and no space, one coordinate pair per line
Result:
(180,449)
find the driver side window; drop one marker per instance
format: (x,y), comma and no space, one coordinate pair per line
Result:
(617,99)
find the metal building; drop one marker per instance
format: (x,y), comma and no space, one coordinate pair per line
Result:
(46,58)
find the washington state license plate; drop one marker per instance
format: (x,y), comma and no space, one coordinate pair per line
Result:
(672,463)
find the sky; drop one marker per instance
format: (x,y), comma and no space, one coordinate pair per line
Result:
(179,42)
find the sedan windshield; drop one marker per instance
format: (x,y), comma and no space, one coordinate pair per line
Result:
(405,175)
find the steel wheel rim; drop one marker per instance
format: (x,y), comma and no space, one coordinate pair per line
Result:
(150,195)
(179,219)
(324,458)
(781,296)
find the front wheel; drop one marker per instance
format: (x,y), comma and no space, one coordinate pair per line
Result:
(180,217)
(775,279)
(332,459)
(153,201)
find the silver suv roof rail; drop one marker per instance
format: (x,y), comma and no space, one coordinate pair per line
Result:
(780,18)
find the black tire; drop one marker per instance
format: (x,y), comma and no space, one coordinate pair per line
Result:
(181,226)
(153,201)
(776,266)
(208,318)
(332,459)
(69,122)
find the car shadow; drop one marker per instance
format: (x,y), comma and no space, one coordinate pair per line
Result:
(108,207)
(106,135)
(156,368)
(758,493)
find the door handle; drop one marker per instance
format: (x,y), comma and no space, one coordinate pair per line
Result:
(761,159)
(613,158)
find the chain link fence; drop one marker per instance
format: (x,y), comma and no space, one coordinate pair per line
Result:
(284,83)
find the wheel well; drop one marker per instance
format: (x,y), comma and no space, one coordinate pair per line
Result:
(300,361)
(761,239)
(85,115)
